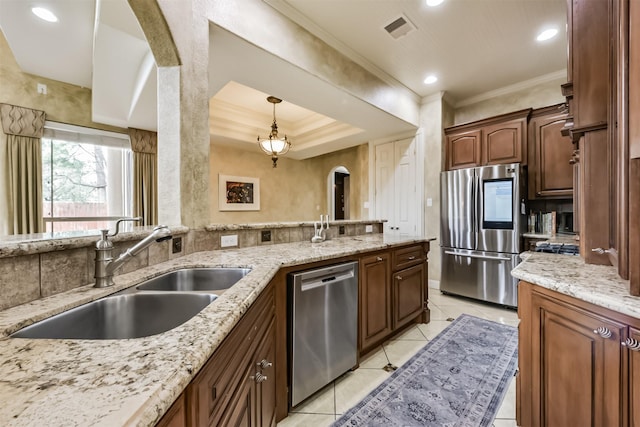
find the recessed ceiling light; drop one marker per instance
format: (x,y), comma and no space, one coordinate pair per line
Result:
(430,79)
(434,3)
(547,34)
(45,14)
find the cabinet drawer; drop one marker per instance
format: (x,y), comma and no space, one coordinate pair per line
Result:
(215,385)
(406,257)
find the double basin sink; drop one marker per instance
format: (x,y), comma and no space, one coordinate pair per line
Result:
(152,307)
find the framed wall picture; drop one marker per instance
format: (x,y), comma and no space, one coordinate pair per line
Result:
(238,193)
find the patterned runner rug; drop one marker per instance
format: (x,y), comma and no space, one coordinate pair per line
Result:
(458,379)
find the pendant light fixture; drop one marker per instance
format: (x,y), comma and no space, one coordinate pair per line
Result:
(274,146)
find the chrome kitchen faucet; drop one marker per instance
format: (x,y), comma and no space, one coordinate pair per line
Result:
(106,266)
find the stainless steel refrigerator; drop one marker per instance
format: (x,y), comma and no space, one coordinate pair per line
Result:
(480,230)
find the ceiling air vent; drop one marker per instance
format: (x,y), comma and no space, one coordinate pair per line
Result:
(399,27)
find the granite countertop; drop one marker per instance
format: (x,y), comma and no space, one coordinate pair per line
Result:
(134,381)
(569,275)
(565,239)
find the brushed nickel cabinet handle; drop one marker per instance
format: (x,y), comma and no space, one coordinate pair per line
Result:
(411,258)
(603,331)
(398,277)
(632,344)
(259,378)
(264,364)
(378,258)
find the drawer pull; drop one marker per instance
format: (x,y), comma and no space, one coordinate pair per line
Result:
(398,277)
(411,258)
(264,364)
(259,378)
(603,331)
(378,258)
(632,344)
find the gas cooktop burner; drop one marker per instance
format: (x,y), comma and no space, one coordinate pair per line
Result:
(558,248)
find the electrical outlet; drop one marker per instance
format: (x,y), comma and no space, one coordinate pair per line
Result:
(368,228)
(265,236)
(230,240)
(176,245)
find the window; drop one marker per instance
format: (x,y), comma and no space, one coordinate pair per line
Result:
(86,177)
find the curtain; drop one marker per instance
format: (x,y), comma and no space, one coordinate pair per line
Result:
(22,187)
(145,175)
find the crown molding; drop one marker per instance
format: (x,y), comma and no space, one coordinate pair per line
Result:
(526,84)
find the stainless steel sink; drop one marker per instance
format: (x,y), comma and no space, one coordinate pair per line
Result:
(121,316)
(196,279)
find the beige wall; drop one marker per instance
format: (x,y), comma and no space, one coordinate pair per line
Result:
(294,191)
(541,95)
(63,102)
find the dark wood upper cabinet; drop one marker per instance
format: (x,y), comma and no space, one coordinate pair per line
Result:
(550,154)
(463,149)
(496,140)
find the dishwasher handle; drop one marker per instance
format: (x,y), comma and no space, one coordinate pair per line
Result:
(326,280)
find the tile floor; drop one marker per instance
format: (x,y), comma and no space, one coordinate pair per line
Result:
(328,404)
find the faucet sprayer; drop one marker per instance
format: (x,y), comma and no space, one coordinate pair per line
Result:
(106,266)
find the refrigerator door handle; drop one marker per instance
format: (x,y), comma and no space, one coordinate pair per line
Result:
(468,255)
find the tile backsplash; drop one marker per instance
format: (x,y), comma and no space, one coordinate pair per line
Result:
(31,270)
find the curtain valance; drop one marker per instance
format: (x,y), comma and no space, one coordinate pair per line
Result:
(143,141)
(22,121)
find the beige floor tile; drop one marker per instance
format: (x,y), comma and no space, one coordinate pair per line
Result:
(322,402)
(375,359)
(456,310)
(352,387)
(508,408)
(437,313)
(400,351)
(412,333)
(500,423)
(433,328)
(307,420)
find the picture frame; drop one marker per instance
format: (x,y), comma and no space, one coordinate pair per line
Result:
(238,193)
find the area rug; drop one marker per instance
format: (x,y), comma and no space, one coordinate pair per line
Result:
(458,379)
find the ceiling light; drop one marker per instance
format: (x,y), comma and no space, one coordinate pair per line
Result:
(44,14)
(274,146)
(434,3)
(430,79)
(547,34)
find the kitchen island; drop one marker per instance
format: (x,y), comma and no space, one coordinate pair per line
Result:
(135,381)
(579,344)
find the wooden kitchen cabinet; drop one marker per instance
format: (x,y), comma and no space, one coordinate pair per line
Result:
(393,293)
(408,295)
(550,152)
(176,416)
(573,366)
(496,140)
(375,299)
(237,384)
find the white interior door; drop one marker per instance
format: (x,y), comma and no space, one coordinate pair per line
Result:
(395,186)
(405,200)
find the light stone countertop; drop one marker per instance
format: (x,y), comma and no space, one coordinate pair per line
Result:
(569,275)
(134,381)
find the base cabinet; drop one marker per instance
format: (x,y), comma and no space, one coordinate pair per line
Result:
(393,293)
(237,385)
(574,368)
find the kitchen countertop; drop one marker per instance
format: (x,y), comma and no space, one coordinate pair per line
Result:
(134,381)
(566,239)
(569,275)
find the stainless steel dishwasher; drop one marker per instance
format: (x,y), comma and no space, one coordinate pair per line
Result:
(323,327)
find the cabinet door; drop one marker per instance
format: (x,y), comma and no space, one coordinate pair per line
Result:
(550,173)
(576,372)
(408,295)
(634,381)
(463,150)
(375,299)
(176,415)
(266,385)
(503,142)
(242,410)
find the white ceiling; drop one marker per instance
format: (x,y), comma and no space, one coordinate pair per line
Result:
(473,46)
